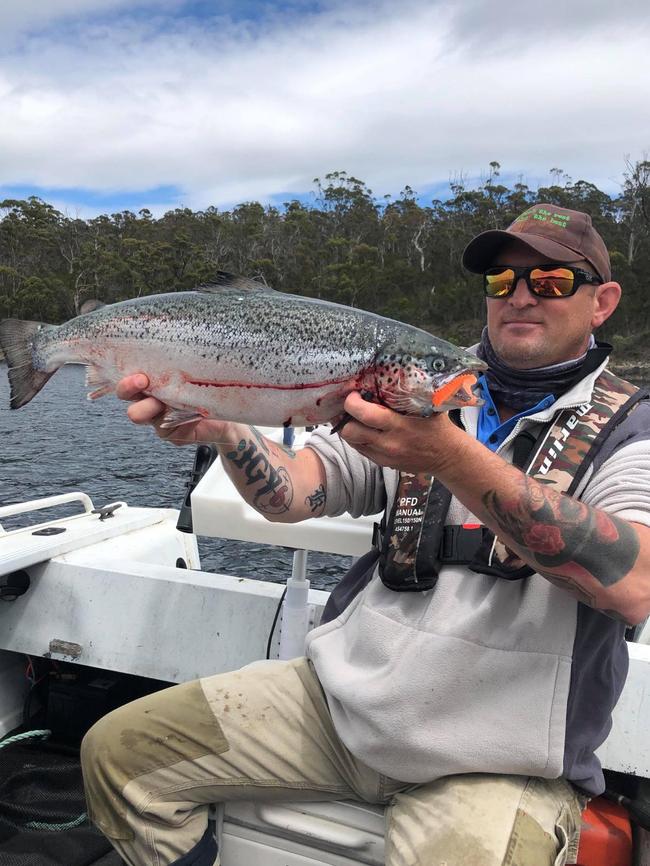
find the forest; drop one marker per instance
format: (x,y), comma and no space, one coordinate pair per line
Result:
(391,255)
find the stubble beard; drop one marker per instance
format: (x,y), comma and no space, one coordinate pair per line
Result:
(523,356)
(534,356)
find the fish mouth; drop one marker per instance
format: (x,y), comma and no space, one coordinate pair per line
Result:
(457,391)
(473,362)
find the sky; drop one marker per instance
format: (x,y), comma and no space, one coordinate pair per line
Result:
(108,105)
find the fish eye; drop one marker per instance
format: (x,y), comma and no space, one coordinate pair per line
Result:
(437,364)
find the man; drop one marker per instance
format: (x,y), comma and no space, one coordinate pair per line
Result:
(472,706)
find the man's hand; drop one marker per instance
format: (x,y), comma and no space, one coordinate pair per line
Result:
(282,485)
(601,559)
(403,442)
(148,410)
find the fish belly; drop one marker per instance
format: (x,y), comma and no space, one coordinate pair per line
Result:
(268,405)
(222,391)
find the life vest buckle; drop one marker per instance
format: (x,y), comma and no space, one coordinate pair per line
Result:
(460,544)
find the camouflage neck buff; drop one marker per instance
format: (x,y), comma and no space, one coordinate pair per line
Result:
(520,389)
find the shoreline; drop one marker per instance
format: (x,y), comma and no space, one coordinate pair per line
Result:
(632,368)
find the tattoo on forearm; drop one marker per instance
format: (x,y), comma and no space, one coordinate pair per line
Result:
(317,499)
(562,533)
(275,450)
(274,494)
(260,439)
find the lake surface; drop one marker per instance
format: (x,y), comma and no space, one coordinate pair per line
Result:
(62,442)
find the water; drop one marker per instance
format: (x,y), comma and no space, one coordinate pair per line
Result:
(62,442)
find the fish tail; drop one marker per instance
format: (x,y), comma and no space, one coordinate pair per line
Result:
(16,341)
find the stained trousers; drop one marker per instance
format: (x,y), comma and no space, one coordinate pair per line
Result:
(153,768)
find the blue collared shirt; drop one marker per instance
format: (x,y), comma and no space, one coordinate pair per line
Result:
(490,431)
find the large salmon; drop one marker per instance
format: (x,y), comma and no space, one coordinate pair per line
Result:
(239,351)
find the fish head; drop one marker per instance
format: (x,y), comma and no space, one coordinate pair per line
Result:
(421,375)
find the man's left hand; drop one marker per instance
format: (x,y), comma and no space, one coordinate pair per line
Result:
(404,442)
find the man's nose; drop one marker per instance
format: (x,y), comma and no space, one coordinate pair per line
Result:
(522,296)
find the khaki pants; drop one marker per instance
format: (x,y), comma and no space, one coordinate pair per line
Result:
(152,768)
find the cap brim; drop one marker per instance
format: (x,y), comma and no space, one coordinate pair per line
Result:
(479,254)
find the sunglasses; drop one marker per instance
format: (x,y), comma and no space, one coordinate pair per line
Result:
(546,281)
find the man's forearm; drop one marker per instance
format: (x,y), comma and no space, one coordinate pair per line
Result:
(283,485)
(597,557)
(575,546)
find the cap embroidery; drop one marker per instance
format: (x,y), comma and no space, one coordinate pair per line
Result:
(543,215)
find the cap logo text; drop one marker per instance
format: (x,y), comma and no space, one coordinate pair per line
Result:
(546,216)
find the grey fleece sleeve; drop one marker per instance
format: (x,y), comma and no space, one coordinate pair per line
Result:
(622,484)
(354,483)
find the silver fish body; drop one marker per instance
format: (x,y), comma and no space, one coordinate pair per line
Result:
(238,351)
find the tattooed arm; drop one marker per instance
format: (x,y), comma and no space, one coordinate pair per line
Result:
(283,485)
(575,546)
(599,558)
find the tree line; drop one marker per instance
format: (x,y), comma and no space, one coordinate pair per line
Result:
(393,256)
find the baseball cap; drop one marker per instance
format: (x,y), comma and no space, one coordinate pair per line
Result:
(561,234)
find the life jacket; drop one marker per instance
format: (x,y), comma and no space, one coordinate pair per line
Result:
(412,542)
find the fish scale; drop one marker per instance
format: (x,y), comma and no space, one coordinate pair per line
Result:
(239,351)
(249,331)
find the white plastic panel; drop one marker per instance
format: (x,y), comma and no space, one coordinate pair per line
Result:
(219,510)
(627,749)
(20,548)
(153,620)
(333,833)
(242,847)
(158,544)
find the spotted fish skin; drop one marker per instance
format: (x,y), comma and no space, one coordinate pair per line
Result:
(238,351)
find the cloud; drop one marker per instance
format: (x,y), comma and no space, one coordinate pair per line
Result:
(227,109)
(30,15)
(481,24)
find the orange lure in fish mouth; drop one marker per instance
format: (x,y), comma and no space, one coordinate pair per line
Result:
(457,392)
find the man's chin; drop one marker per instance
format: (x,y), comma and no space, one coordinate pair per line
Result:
(523,355)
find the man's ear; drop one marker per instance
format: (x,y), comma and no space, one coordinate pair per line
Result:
(606,298)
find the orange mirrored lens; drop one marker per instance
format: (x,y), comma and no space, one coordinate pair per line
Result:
(501,284)
(551,284)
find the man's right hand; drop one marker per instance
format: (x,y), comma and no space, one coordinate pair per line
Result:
(148,410)
(281,484)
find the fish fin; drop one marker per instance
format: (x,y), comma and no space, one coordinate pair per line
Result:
(177,417)
(224,282)
(109,388)
(96,379)
(90,306)
(16,340)
(101,392)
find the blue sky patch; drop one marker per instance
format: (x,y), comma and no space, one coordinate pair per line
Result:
(90,202)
